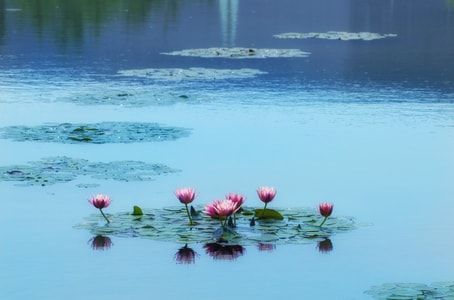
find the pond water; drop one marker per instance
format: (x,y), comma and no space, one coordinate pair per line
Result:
(365,124)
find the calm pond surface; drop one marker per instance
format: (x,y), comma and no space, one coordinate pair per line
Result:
(365,124)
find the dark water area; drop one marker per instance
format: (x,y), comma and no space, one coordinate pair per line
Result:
(102,37)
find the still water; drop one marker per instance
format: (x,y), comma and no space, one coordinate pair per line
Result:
(365,124)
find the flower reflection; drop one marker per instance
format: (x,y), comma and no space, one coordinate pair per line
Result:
(224,252)
(185,255)
(325,246)
(266,247)
(100,242)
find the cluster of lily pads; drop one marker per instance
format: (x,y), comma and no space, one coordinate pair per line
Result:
(95,133)
(413,291)
(222,221)
(61,169)
(335,35)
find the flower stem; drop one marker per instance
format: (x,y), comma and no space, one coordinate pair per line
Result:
(108,221)
(189,215)
(323,222)
(263,211)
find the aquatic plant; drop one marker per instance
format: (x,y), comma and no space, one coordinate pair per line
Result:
(237,198)
(266,195)
(186,196)
(222,210)
(325,210)
(100,201)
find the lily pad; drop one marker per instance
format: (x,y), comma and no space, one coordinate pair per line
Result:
(171,224)
(60,169)
(192,73)
(240,53)
(97,133)
(335,35)
(137,211)
(413,291)
(268,214)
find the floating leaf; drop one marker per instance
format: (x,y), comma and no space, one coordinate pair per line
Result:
(268,214)
(171,224)
(97,133)
(412,291)
(240,53)
(58,169)
(335,35)
(137,211)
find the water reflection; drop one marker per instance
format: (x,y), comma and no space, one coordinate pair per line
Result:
(325,246)
(100,243)
(228,11)
(185,255)
(224,252)
(70,20)
(266,247)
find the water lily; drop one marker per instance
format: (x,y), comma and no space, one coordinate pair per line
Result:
(100,201)
(186,196)
(222,210)
(238,199)
(325,210)
(266,194)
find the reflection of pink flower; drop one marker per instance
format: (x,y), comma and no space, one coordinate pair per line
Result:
(266,194)
(221,208)
(224,252)
(185,195)
(101,242)
(325,209)
(266,247)
(100,201)
(185,255)
(325,246)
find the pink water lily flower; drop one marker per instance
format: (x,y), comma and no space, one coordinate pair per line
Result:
(237,198)
(185,195)
(221,209)
(266,194)
(100,201)
(325,210)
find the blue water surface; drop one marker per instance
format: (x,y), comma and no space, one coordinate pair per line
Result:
(366,125)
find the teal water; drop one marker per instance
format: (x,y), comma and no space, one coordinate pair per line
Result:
(367,125)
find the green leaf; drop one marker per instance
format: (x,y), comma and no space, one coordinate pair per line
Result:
(137,211)
(268,214)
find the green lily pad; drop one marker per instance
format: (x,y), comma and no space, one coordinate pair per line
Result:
(335,35)
(60,169)
(412,291)
(240,53)
(268,214)
(174,74)
(137,211)
(97,133)
(171,224)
